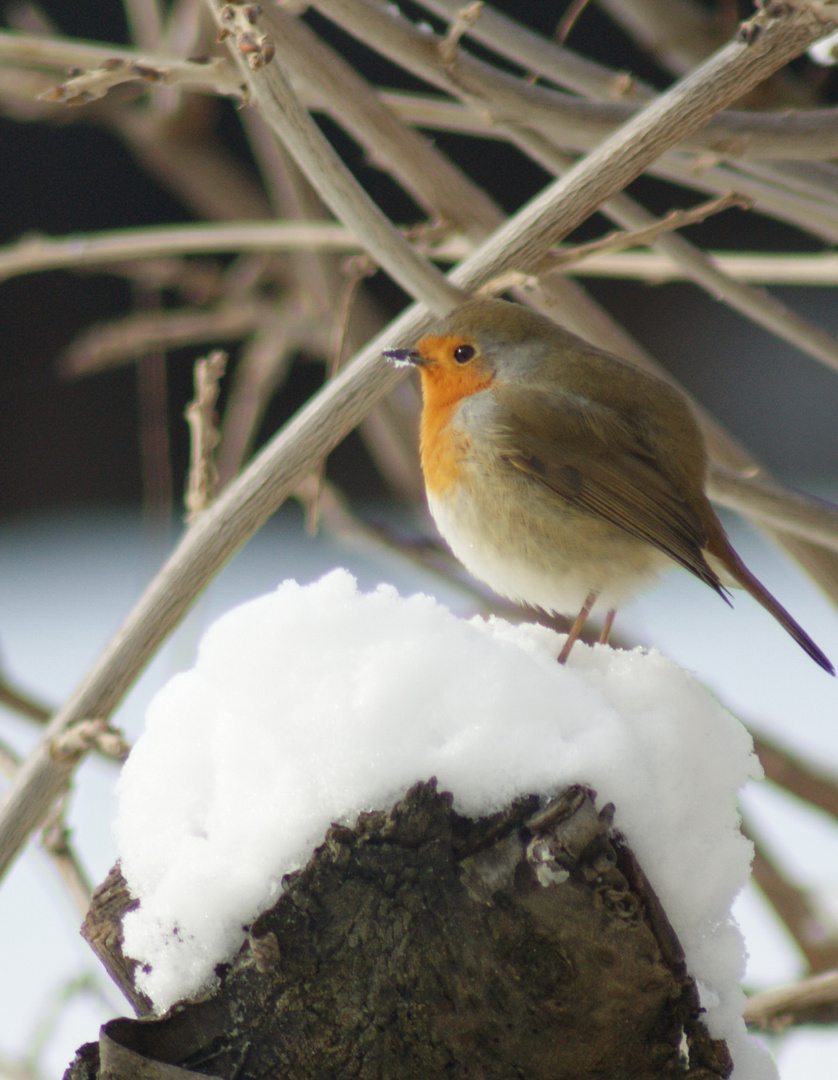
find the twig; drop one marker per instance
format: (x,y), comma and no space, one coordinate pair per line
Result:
(103,66)
(55,841)
(570,256)
(35,253)
(261,369)
(677,33)
(207,74)
(20,702)
(55,838)
(813,931)
(465,17)
(762,308)
(153,423)
(646,234)
(249,500)
(333,181)
(356,270)
(571,122)
(789,771)
(119,342)
(759,497)
(426,174)
(755,267)
(810,1001)
(569,20)
(536,54)
(111,249)
(201,417)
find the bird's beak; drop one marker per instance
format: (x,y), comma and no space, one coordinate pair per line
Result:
(404,357)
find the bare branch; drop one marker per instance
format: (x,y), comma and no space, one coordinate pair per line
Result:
(465,17)
(813,931)
(536,54)
(208,73)
(121,341)
(571,122)
(260,372)
(810,1001)
(756,495)
(103,66)
(55,838)
(677,33)
(203,428)
(329,176)
(569,257)
(15,699)
(758,268)
(789,771)
(422,170)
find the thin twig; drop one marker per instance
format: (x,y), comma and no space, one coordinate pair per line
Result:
(571,122)
(262,367)
(677,33)
(785,768)
(20,702)
(570,256)
(758,268)
(465,17)
(552,62)
(758,496)
(36,253)
(119,342)
(273,95)
(810,1001)
(811,928)
(569,20)
(102,66)
(55,838)
(426,174)
(112,248)
(55,842)
(356,270)
(200,414)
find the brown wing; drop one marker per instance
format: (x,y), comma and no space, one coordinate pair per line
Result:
(596,460)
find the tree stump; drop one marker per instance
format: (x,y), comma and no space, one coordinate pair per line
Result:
(422,944)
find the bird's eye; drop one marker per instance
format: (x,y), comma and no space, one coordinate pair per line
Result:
(463,353)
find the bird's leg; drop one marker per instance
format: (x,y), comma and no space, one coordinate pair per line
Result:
(608,622)
(576,629)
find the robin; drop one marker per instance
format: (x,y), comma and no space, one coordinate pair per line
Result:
(564,477)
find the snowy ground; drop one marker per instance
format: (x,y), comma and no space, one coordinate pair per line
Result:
(65,584)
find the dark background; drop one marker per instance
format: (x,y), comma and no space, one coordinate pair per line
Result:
(67,443)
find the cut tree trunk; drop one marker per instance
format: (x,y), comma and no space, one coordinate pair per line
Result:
(422,944)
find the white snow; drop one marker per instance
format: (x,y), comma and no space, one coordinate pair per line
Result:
(311,704)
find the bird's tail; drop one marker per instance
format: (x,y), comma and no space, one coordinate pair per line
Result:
(719,546)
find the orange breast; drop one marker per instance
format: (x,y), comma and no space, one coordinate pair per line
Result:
(441,447)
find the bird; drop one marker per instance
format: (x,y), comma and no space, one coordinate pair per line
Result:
(562,476)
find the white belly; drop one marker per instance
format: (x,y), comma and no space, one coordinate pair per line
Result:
(551,558)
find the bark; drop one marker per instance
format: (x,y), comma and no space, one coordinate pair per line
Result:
(421,944)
